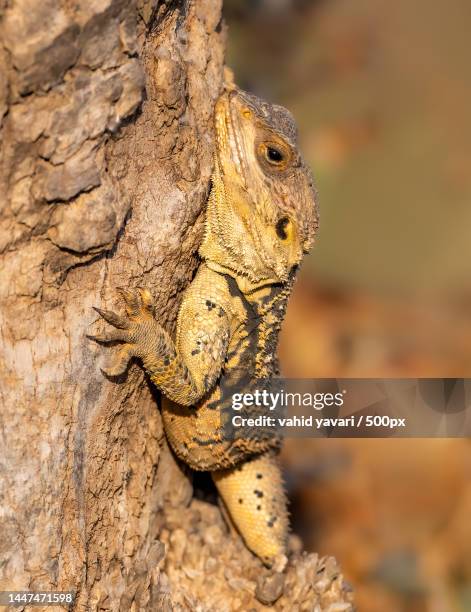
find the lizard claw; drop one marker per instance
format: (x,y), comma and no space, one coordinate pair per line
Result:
(114,335)
(131,301)
(112,318)
(137,303)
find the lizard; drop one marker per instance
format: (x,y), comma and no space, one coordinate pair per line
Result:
(261,218)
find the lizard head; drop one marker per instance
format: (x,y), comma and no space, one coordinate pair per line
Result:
(262,214)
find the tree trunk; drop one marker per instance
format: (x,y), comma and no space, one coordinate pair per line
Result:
(106,154)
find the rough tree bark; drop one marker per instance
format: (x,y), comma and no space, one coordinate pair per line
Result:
(106,154)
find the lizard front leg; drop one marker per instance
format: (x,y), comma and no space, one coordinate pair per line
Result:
(185,374)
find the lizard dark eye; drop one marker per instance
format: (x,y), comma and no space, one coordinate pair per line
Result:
(273,155)
(281,227)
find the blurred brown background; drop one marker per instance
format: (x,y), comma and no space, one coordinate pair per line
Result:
(382,95)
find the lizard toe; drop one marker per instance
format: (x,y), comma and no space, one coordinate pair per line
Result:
(119,362)
(131,301)
(147,301)
(114,335)
(112,318)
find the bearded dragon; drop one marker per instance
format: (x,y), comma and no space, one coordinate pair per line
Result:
(261,218)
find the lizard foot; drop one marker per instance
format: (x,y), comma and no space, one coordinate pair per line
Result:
(131,330)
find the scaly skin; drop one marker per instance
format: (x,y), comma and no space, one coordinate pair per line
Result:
(261,218)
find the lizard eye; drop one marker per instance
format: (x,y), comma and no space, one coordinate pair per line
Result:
(273,155)
(282,227)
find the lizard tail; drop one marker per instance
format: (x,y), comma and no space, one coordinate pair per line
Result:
(254,496)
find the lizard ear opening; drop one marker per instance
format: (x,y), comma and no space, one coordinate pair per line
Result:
(284,228)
